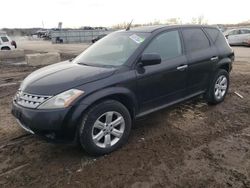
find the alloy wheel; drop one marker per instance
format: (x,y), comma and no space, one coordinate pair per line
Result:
(220,87)
(108,129)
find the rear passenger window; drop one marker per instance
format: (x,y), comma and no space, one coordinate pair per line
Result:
(195,39)
(221,41)
(5,39)
(213,33)
(167,45)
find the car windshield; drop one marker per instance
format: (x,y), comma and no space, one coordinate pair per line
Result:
(112,50)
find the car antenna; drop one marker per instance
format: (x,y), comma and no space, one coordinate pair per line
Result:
(129,25)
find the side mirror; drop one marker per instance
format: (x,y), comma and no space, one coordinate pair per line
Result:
(226,36)
(150,59)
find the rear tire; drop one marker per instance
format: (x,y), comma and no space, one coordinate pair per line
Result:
(218,88)
(105,127)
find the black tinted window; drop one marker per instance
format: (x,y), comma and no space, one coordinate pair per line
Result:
(221,41)
(213,33)
(5,39)
(167,45)
(195,39)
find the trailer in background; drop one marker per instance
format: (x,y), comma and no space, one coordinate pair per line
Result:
(76,36)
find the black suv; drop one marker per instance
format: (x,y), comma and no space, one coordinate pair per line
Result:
(94,98)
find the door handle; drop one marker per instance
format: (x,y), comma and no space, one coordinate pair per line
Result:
(214,58)
(182,67)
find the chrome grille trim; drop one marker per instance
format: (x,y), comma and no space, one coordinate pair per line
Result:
(29,100)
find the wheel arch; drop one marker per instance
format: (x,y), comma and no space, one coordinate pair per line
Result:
(225,64)
(120,94)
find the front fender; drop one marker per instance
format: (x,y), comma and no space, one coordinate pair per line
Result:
(107,92)
(77,111)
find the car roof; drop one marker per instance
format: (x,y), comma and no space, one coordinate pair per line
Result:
(150,29)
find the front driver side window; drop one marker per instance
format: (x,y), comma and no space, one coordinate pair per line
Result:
(167,45)
(234,32)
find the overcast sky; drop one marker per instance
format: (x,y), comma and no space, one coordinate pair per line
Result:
(76,13)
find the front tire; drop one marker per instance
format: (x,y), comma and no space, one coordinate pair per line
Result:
(218,88)
(105,127)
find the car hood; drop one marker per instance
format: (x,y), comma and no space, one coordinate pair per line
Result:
(60,77)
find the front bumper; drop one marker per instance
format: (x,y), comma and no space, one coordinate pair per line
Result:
(52,125)
(24,127)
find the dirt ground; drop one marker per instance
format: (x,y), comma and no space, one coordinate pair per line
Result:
(188,145)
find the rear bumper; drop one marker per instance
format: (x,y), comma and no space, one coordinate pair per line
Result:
(58,125)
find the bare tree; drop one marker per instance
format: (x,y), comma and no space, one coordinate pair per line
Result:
(199,20)
(169,21)
(173,21)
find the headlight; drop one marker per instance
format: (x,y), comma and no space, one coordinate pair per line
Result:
(61,100)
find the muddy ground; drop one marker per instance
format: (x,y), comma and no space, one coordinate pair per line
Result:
(188,145)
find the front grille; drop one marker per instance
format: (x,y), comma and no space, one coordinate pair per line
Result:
(29,100)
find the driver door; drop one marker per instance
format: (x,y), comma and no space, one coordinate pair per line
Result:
(164,83)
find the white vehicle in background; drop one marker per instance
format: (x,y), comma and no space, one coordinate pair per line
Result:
(6,43)
(239,36)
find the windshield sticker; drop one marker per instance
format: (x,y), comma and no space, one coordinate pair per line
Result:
(136,38)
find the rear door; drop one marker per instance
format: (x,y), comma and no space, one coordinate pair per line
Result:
(201,57)
(166,82)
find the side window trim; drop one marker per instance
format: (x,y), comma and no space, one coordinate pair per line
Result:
(208,37)
(182,42)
